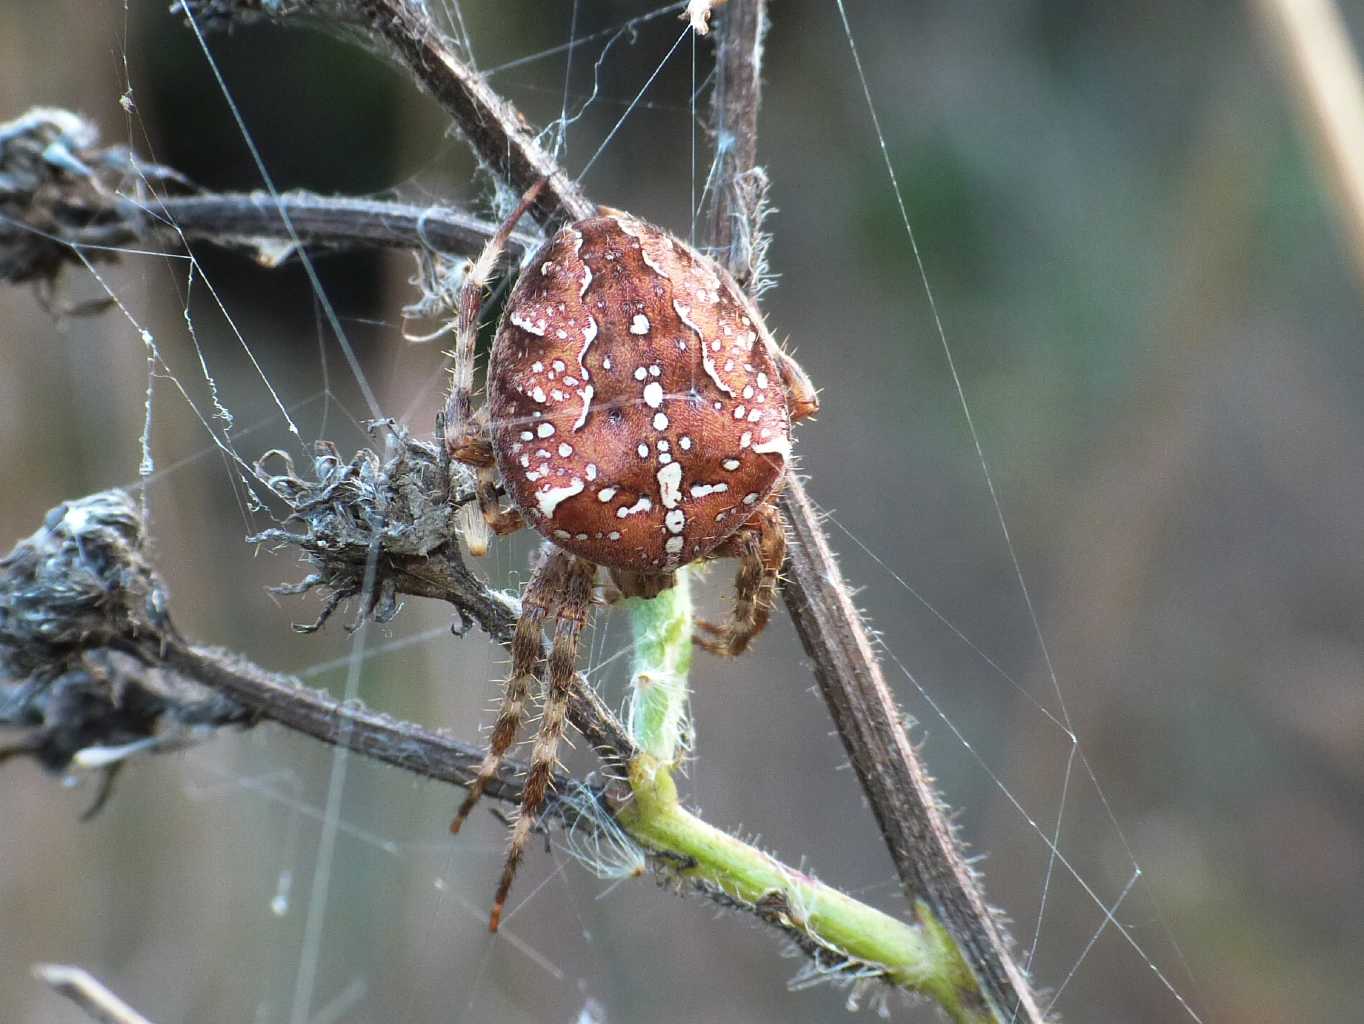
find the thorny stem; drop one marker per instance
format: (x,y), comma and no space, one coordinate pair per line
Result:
(913,820)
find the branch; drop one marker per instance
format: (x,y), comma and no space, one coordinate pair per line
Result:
(327,221)
(380,526)
(732,226)
(60,191)
(912,818)
(403,31)
(93,670)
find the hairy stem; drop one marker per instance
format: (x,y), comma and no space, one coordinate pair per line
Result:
(659,717)
(339,221)
(854,938)
(846,937)
(913,821)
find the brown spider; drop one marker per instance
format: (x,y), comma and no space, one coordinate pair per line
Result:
(639,417)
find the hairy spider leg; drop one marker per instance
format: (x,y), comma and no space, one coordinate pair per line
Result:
(572,615)
(801,396)
(467,439)
(760,547)
(541,598)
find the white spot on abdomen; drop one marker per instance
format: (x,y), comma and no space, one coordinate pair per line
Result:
(589,336)
(536,327)
(549,499)
(670,484)
(701,490)
(586,395)
(777,446)
(640,324)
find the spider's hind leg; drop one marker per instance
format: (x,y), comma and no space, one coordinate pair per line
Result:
(760,547)
(540,599)
(574,577)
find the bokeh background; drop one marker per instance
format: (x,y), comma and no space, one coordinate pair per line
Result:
(1154,317)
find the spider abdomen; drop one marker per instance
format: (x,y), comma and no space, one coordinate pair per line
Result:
(638,411)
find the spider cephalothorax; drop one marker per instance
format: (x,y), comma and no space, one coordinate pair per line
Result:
(639,417)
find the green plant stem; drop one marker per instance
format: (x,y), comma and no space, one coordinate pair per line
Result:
(660,720)
(856,939)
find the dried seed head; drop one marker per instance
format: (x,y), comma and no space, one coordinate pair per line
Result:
(639,412)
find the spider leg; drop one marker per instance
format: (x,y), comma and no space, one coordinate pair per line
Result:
(541,596)
(575,607)
(501,520)
(760,546)
(477,451)
(466,436)
(461,433)
(801,396)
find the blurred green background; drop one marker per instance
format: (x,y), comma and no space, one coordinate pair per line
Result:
(1154,318)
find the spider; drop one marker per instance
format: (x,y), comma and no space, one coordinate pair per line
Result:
(639,417)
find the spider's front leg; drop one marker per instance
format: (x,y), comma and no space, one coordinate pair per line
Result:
(467,437)
(476,450)
(760,547)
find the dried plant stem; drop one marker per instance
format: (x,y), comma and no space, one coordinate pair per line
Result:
(1322,69)
(339,221)
(913,821)
(403,29)
(281,699)
(69,197)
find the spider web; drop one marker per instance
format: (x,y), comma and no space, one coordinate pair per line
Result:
(267,878)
